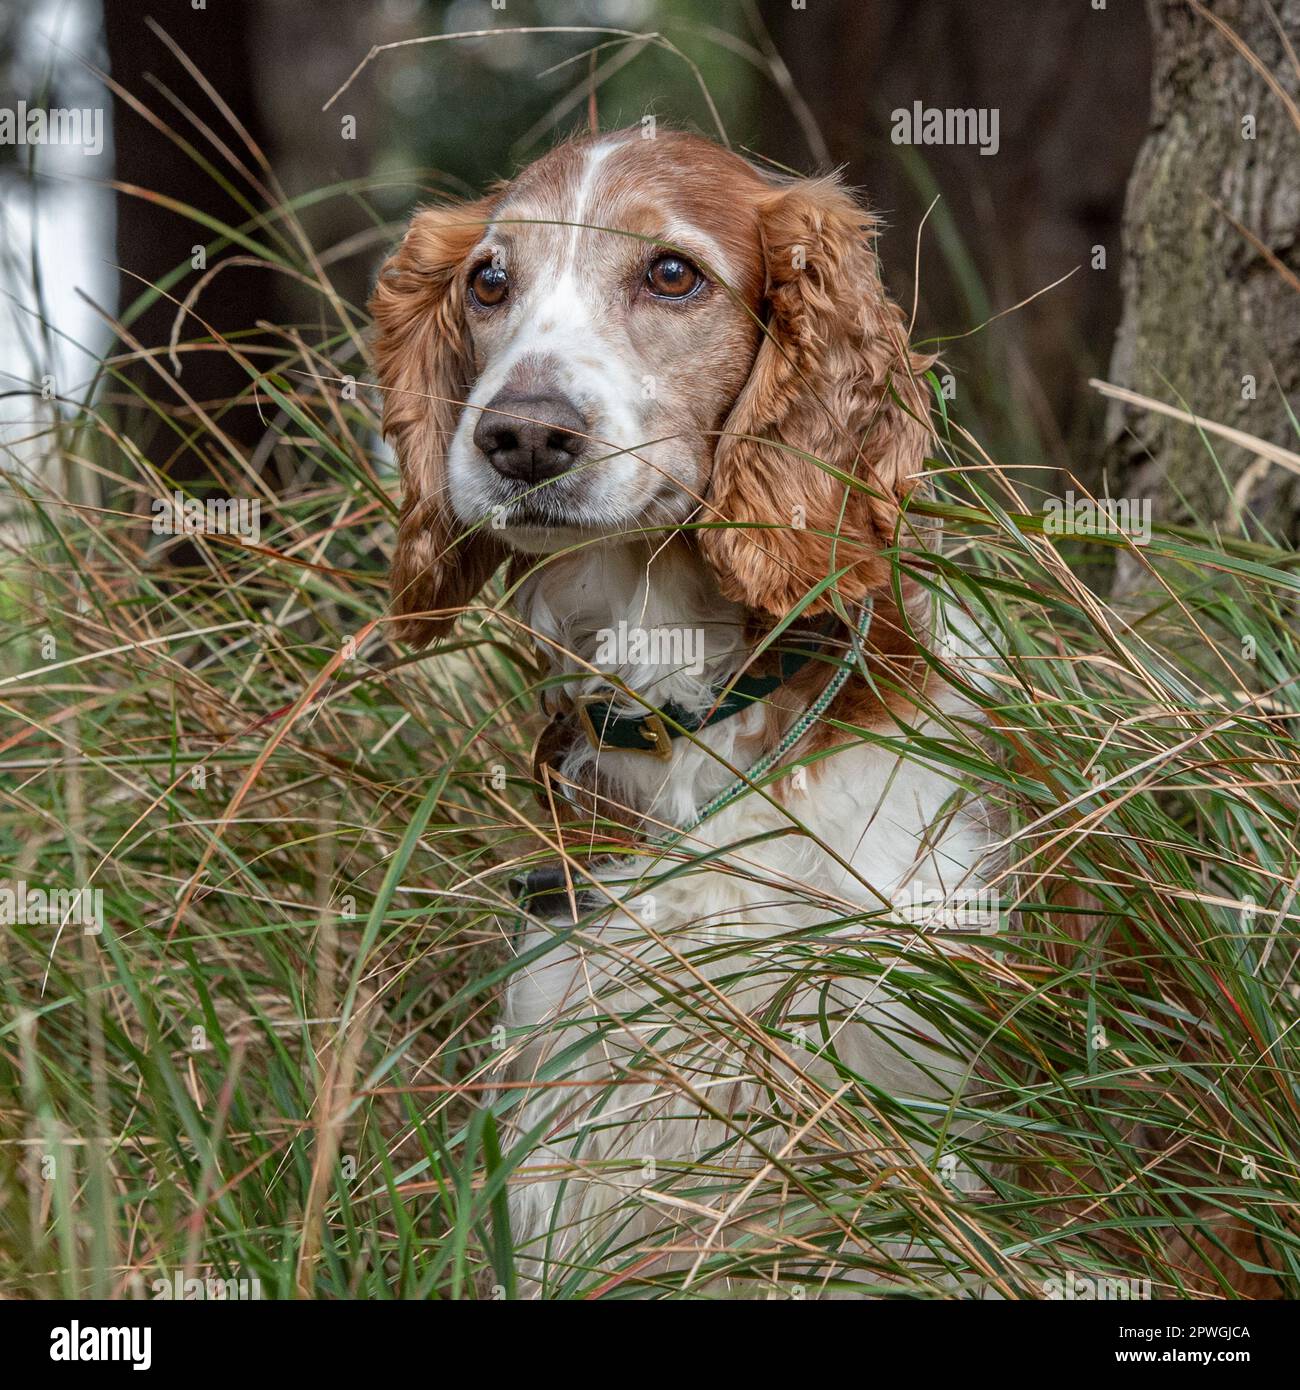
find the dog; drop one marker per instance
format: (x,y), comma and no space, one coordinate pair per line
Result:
(668,388)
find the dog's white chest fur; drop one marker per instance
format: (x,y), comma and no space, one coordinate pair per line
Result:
(653,1004)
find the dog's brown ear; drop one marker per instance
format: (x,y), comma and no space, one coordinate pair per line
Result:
(423,355)
(833,380)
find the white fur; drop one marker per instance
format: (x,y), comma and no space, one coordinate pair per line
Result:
(881,823)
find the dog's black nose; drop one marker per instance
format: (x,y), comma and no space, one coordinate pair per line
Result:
(530,438)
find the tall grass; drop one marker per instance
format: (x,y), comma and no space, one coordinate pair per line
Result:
(281,1057)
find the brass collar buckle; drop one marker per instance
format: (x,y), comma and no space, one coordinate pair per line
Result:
(650,727)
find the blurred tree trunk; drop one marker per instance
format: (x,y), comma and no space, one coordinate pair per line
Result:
(151,239)
(1208,322)
(326,40)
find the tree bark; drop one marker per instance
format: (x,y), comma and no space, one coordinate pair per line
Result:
(1208,322)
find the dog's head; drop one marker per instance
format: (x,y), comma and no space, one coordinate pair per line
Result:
(636,333)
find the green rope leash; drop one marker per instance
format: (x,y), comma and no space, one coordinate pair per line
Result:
(795,732)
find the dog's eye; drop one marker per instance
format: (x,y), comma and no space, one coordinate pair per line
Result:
(488,285)
(671,277)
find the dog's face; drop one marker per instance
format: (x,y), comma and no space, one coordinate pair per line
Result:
(611,305)
(633,334)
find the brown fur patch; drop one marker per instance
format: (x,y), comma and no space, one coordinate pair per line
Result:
(421,353)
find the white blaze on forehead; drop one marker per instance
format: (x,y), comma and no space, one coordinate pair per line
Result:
(586,193)
(568,209)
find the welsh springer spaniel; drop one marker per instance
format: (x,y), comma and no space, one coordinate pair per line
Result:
(669,388)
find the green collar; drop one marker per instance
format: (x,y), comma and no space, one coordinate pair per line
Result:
(653,731)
